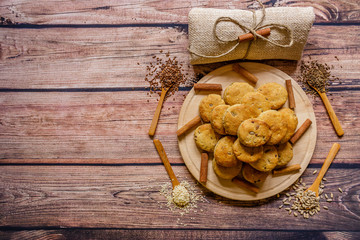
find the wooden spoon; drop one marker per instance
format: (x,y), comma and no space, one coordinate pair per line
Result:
(329,109)
(330,157)
(165,160)
(155,119)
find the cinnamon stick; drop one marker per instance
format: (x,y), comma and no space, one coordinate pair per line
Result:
(290,94)
(249,36)
(207,87)
(302,129)
(287,169)
(246,185)
(245,73)
(204,167)
(195,121)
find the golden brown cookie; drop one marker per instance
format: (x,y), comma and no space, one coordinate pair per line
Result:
(256,100)
(247,154)
(277,125)
(268,160)
(285,153)
(253,132)
(252,175)
(291,121)
(226,172)
(274,93)
(235,115)
(235,91)
(205,137)
(216,118)
(223,152)
(207,104)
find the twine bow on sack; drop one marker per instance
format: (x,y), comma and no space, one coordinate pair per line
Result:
(252,30)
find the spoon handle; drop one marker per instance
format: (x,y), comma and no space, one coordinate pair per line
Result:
(157,113)
(332,115)
(165,160)
(330,157)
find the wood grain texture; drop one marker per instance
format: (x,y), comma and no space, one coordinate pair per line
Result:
(175,234)
(110,197)
(93,126)
(82,58)
(140,12)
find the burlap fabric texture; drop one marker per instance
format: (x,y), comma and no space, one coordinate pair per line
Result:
(210,38)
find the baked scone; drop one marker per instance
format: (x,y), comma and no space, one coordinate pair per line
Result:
(205,137)
(253,132)
(235,91)
(216,118)
(235,115)
(285,153)
(256,100)
(247,154)
(277,125)
(223,152)
(268,160)
(291,121)
(226,172)
(274,93)
(207,104)
(252,175)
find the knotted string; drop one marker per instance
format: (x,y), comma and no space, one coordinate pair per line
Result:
(252,30)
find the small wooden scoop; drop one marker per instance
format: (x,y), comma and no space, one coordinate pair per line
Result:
(165,160)
(155,119)
(330,110)
(330,157)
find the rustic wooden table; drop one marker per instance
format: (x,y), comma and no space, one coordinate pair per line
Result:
(76,159)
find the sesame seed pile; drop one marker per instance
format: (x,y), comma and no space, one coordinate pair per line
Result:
(191,199)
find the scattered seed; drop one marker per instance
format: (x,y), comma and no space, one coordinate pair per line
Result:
(295,214)
(281,206)
(314,172)
(325,207)
(340,190)
(329,200)
(324,179)
(326,196)
(331,195)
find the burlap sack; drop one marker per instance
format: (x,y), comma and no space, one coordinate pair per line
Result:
(212,40)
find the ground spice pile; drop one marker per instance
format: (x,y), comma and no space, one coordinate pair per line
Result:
(318,74)
(167,72)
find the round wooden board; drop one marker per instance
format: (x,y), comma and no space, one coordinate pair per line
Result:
(303,149)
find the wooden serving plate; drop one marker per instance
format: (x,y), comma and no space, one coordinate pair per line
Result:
(303,149)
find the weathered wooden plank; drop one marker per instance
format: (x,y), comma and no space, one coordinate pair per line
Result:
(83,58)
(128,197)
(109,127)
(148,12)
(175,234)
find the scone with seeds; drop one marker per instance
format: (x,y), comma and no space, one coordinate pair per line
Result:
(247,154)
(268,160)
(274,93)
(235,91)
(291,120)
(205,137)
(256,100)
(235,115)
(277,125)
(285,153)
(254,132)
(226,172)
(216,118)
(252,175)
(207,104)
(223,152)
